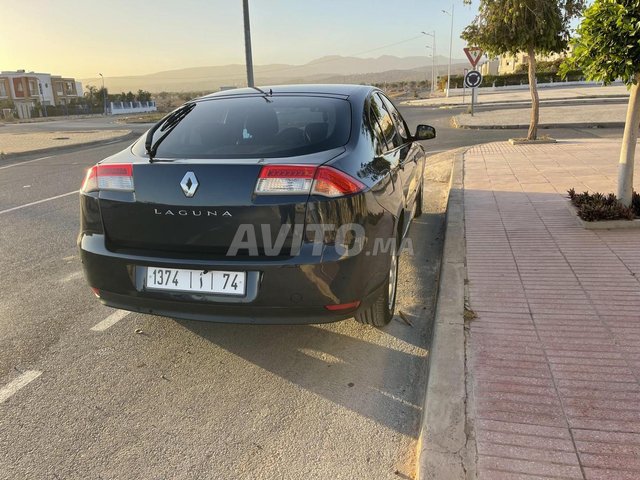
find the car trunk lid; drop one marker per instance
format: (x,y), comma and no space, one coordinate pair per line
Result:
(216,206)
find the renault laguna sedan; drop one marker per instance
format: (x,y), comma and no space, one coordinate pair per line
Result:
(287,204)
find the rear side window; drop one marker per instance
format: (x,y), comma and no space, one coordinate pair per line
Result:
(400,125)
(378,137)
(386,122)
(264,127)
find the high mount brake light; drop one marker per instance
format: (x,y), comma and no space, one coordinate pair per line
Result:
(306,180)
(118,177)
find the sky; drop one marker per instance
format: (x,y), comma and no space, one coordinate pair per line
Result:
(81,38)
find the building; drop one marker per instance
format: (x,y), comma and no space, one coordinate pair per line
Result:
(510,63)
(26,89)
(490,67)
(519,63)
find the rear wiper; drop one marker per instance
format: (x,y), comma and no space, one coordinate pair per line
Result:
(167,124)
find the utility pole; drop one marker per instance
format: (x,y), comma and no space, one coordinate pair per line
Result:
(42,105)
(104,97)
(432,56)
(247,44)
(450,47)
(434,73)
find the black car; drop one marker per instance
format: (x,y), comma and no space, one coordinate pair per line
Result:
(274,205)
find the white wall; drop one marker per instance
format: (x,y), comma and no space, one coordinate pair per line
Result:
(121,108)
(44,80)
(458,92)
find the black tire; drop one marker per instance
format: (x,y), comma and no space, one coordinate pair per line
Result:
(419,199)
(380,312)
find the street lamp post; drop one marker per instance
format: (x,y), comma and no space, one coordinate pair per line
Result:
(429,47)
(42,105)
(434,74)
(450,47)
(247,43)
(104,97)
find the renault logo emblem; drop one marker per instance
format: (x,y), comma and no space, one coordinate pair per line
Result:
(189,184)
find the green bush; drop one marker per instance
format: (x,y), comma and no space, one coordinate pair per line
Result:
(515,79)
(597,206)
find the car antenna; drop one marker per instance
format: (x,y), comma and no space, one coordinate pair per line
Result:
(265,93)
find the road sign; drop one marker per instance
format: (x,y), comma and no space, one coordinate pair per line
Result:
(473,54)
(473,79)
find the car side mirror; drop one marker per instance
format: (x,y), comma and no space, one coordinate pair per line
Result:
(425,132)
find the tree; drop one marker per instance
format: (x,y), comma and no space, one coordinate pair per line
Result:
(607,47)
(531,26)
(143,96)
(91,93)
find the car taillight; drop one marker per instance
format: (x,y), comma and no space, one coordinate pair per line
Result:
(304,180)
(285,179)
(330,182)
(90,183)
(109,177)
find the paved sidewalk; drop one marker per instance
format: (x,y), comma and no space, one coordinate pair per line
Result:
(550,116)
(554,353)
(16,143)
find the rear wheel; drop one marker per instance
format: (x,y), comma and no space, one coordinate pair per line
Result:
(381,311)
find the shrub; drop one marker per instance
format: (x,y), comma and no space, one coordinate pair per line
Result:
(597,206)
(515,79)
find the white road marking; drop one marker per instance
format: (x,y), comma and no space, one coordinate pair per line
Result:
(38,202)
(24,163)
(20,382)
(111,320)
(71,277)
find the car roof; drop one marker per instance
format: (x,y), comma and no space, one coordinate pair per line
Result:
(337,90)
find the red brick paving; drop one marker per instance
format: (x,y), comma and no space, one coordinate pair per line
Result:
(555,349)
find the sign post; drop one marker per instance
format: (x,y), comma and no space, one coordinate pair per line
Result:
(464,87)
(473,79)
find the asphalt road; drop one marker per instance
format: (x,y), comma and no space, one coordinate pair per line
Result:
(449,137)
(149,397)
(142,397)
(62,124)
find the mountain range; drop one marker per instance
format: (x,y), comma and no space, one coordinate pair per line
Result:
(329,69)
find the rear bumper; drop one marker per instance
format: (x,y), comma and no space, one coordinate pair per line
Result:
(289,291)
(230,314)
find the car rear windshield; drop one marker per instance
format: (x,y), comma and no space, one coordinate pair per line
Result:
(258,126)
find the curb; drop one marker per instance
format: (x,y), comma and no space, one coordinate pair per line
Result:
(445,437)
(63,148)
(588,99)
(456,124)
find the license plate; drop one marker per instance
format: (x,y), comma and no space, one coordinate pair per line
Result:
(201,281)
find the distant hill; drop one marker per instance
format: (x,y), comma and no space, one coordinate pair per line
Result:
(329,69)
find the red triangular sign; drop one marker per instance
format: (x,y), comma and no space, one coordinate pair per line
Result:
(473,54)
